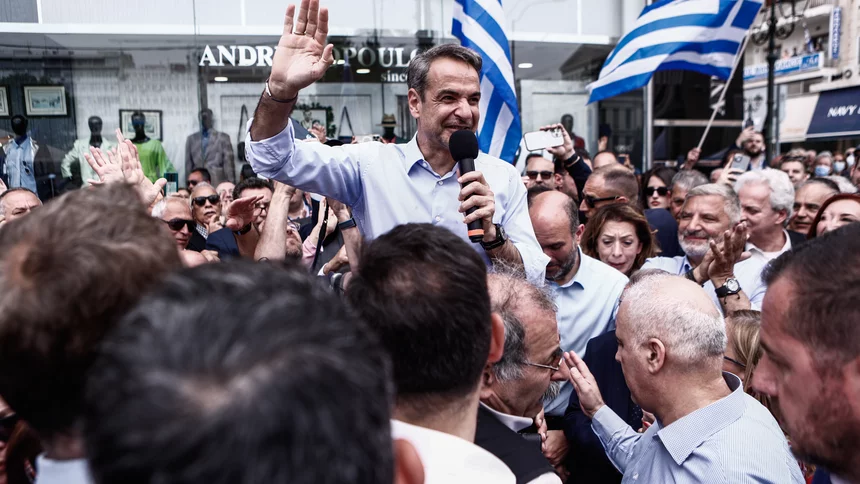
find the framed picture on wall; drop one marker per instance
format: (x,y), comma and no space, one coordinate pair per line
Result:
(153,125)
(45,101)
(4,102)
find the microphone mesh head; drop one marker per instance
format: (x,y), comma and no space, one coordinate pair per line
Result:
(463,144)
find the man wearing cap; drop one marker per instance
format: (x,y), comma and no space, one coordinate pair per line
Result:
(389,122)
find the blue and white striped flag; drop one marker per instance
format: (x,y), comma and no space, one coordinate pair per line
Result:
(478,25)
(691,35)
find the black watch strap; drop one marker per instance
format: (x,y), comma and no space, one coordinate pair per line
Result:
(244,230)
(724,291)
(501,238)
(347,224)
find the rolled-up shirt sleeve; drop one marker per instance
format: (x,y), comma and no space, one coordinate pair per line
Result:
(518,226)
(618,438)
(309,166)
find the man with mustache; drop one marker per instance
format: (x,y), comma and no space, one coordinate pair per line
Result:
(528,374)
(394,184)
(712,235)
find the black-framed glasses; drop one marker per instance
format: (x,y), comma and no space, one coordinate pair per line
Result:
(191,183)
(591,201)
(176,224)
(734,361)
(544,175)
(200,201)
(662,191)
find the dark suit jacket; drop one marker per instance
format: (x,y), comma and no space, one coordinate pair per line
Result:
(662,221)
(796,238)
(224,242)
(523,457)
(587,461)
(196,243)
(218,159)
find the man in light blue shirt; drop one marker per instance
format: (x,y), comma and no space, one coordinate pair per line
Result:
(712,214)
(586,290)
(671,343)
(390,185)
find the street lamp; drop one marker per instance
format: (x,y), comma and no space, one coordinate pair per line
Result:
(769,35)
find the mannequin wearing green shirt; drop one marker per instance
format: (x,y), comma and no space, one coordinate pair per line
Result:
(82,146)
(153,159)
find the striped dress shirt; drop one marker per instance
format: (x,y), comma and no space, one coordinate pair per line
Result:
(733,440)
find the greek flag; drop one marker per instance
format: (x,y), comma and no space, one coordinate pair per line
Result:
(478,25)
(692,35)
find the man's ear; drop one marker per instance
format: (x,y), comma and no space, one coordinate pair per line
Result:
(782,217)
(622,199)
(497,343)
(656,354)
(408,468)
(578,235)
(488,378)
(414,103)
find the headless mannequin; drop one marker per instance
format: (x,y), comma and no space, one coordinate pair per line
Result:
(95,124)
(138,122)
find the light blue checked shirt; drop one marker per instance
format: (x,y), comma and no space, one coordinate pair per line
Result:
(391,184)
(748,274)
(733,440)
(586,309)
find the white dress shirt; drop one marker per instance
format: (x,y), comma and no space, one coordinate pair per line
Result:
(586,309)
(747,273)
(768,256)
(448,459)
(391,184)
(50,471)
(516,424)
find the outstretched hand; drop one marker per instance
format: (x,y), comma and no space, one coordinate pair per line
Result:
(122,164)
(302,56)
(729,252)
(241,212)
(585,385)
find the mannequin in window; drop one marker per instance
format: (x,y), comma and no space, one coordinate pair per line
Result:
(20,153)
(82,146)
(567,121)
(389,122)
(212,150)
(153,158)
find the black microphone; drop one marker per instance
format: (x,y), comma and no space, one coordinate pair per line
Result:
(464,149)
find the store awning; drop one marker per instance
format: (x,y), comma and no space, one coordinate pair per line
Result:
(798,114)
(837,114)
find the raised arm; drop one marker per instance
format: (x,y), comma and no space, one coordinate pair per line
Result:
(301,59)
(273,240)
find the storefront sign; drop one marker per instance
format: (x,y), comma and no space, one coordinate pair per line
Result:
(793,65)
(835,32)
(837,114)
(362,63)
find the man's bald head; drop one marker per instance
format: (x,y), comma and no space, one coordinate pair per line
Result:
(677,312)
(554,207)
(604,158)
(202,189)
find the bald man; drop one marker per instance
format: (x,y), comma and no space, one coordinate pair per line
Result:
(671,343)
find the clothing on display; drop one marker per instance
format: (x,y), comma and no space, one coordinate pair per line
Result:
(20,154)
(81,147)
(153,158)
(212,150)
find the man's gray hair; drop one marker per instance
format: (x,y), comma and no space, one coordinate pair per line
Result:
(508,289)
(732,205)
(692,337)
(158,209)
(824,154)
(688,179)
(13,190)
(844,184)
(419,67)
(781,188)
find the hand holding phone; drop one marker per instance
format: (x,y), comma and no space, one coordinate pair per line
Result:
(543,139)
(740,162)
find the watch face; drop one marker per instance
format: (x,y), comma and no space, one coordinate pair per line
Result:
(733,286)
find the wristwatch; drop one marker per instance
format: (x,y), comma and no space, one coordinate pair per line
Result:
(501,238)
(691,275)
(730,287)
(346,224)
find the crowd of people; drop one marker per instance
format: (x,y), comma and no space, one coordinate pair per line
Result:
(332,320)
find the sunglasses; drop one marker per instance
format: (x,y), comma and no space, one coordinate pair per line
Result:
(200,201)
(191,183)
(591,201)
(545,175)
(175,224)
(662,191)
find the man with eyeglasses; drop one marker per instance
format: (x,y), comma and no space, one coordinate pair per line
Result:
(586,292)
(528,374)
(539,171)
(176,215)
(230,243)
(197,176)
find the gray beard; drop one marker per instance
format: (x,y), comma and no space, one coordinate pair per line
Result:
(551,392)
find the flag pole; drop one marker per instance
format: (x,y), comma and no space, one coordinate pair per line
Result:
(725,90)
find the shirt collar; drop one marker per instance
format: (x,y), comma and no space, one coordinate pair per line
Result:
(785,247)
(684,436)
(411,153)
(581,278)
(512,422)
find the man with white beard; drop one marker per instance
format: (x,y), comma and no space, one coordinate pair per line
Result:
(713,237)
